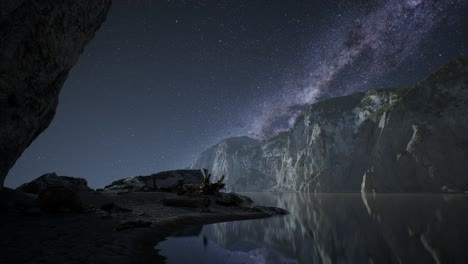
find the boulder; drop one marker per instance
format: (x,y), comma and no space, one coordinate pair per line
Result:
(51,180)
(233,199)
(169,180)
(241,201)
(40,42)
(57,200)
(164,181)
(134,183)
(12,199)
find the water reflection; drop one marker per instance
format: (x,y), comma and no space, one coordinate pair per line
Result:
(335,228)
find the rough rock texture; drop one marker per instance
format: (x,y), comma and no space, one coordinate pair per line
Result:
(40,43)
(233,199)
(51,181)
(411,139)
(222,159)
(166,181)
(11,200)
(58,200)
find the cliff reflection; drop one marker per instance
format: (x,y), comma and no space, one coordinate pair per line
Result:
(339,228)
(350,228)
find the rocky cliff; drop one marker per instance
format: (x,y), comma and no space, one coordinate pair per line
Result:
(222,159)
(410,139)
(40,42)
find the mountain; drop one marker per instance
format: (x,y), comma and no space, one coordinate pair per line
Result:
(408,139)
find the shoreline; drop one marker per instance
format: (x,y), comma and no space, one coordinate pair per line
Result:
(91,237)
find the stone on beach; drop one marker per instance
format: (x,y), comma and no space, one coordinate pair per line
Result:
(165,181)
(233,199)
(51,180)
(59,200)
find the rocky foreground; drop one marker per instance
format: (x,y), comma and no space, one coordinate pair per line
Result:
(60,225)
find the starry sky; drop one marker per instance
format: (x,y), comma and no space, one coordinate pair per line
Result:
(164,80)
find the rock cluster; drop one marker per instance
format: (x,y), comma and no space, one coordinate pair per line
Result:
(164,181)
(59,200)
(233,199)
(52,181)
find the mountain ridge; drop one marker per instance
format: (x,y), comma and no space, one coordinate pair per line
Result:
(385,140)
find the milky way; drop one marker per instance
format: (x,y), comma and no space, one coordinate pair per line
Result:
(163,81)
(353,55)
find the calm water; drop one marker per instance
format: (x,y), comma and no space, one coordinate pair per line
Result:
(334,228)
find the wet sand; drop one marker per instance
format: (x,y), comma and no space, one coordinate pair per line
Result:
(91,237)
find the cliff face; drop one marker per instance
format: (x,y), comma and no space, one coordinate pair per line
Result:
(223,159)
(40,42)
(411,139)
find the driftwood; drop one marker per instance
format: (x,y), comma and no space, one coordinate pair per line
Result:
(211,188)
(207,187)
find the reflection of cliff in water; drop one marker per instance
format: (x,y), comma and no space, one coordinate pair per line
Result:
(348,228)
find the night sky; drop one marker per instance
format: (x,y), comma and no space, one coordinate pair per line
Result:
(164,80)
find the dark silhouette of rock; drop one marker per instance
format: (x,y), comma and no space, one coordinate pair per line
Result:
(59,200)
(51,180)
(113,208)
(245,202)
(233,199)
(13,199)
(40,42)
(271,210)
(164,181)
